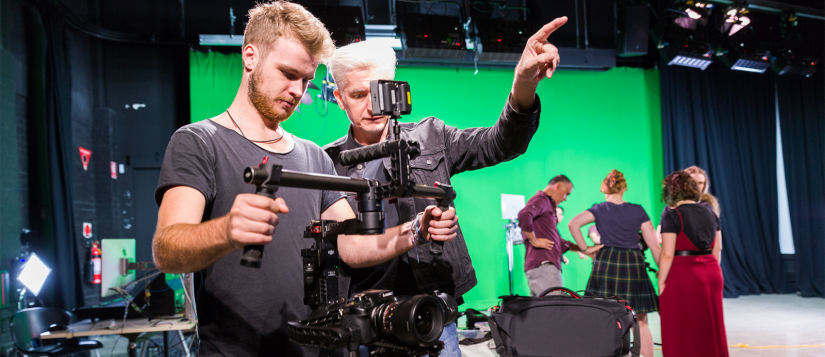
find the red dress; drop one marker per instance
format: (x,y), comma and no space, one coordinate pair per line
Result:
(693,323)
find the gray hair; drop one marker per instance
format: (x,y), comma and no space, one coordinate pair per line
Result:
(364,55)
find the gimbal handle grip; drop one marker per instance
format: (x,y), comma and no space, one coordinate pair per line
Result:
(437,246)
(254,253)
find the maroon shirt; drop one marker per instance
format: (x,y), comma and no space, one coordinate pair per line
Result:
(539,217)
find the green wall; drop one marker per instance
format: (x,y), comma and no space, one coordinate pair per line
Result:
(591,122)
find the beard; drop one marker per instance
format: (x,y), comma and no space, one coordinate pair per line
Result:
(266,106)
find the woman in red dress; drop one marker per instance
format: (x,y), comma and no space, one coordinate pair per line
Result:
(690,279)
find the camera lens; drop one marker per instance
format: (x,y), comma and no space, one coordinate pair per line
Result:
(417,321)
(423,321)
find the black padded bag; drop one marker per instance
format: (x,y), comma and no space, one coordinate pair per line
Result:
(564,325)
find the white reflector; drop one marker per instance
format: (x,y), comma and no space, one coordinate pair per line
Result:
(34,274)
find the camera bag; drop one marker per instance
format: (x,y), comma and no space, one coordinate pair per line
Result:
(564,325)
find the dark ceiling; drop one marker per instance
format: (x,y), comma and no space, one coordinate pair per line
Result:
(181,21)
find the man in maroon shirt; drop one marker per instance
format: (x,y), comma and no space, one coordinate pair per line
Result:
(541,236)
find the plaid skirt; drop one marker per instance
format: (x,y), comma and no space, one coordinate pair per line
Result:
(621,272)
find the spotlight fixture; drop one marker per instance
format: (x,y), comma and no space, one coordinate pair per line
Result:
(735,19)
(693,14)
(757,62)
(791,56)
(432,36)
(683,36)
(794,65)
(740,46)
(34,274)
(692,10)
(695,55)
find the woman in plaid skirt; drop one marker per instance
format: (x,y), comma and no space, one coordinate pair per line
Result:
(619,268)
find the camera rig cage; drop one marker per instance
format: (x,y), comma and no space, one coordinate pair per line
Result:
(387,324)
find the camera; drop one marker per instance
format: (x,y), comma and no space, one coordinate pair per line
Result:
(387,324)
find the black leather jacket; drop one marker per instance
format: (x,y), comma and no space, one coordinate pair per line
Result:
(446,151)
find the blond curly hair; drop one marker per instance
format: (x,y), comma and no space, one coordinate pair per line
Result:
(271,20)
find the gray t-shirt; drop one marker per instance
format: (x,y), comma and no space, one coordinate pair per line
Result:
(244,311)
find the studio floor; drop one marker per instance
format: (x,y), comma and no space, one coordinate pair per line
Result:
(765,325)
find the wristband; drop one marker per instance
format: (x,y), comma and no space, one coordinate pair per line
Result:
(415,236)
(415,232)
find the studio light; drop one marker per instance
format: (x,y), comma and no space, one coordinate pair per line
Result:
(745,57)
(683,37)
(793,65)
(791,55)
(738,44)
(699,56)
(34,274)
(693,14)
(691,11)
(749,63)
(735,20)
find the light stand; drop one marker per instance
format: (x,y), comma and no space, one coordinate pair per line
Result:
(513,237)
(511,205)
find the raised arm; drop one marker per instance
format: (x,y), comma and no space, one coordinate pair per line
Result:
(360,251)
(183,244)
(649,235)
(475,148)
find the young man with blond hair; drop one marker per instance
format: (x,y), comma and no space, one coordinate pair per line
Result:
(207,213)
(445,151)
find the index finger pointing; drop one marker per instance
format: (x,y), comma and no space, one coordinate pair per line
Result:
(547,29)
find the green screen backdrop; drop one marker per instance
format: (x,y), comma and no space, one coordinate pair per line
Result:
(591,123)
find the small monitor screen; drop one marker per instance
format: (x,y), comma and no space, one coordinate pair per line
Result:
(111,251)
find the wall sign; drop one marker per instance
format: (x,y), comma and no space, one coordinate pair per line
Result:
(85,154)
(87,230)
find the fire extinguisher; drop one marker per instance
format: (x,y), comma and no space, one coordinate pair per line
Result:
(95,263)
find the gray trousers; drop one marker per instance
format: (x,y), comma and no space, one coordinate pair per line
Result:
(543,277)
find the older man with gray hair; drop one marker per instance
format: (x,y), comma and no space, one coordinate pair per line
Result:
(446,151)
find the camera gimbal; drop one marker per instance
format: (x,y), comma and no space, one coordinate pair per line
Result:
(390,325)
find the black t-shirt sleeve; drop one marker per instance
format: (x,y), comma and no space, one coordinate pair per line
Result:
(188,162)
(328,197)
(594,210)
(718,223)
(670,222)
(641,215)
(664,213)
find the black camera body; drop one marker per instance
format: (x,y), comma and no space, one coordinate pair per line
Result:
(388,325)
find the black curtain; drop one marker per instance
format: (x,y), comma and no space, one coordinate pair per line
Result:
(802,120)
(724,121)
(59,234)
